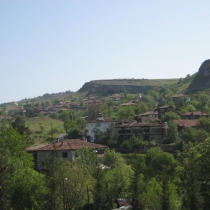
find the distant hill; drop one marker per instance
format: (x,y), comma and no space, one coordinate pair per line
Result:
(130,85)
(201,81)
(197,82)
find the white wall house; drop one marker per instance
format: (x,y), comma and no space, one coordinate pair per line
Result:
(93,128)
(65,151)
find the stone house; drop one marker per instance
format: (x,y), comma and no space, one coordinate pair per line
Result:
(65,149)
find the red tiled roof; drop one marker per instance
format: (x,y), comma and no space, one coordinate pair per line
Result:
(163,107)
(115,96)
(198,113)
(141,124)
(128,104)
(186,123)
(69,144)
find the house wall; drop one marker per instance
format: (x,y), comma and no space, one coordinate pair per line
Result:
(44,156)
(148,133)
(94,128)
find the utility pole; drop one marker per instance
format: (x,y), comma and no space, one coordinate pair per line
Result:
(51,132)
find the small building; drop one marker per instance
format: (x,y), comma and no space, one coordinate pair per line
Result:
(115,97)
(178,96)
(65,150)
(93,128)
(149,131)
(194,115)
(128,104)
(151,114)
(185,123)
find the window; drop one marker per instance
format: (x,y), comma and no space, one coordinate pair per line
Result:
(65,154)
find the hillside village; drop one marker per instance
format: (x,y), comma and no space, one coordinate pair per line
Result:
(112,150)
(114,119)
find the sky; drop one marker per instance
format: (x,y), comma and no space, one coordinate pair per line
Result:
(50,46)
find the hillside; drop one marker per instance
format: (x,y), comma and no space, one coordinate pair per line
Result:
(130,85)
(201,81)
(41,128)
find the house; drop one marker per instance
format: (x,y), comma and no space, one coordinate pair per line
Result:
(149,131)
(185,123)
(128,104)
(93,128)
(151,114)
(179,96)
(65,150)
(94,102)
(115,97)
(194,115)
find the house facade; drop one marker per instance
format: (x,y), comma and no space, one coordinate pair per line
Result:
(66,150)
(93,128)
(149,131)
(194,115)
(185,123)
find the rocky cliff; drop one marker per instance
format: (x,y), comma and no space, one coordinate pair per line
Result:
(119,85)
(201,80)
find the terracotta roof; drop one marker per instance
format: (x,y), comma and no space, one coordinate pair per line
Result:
(128,104)
(195,113)
(186,123)
(115,96)
(32,148)
(148,113)
(141,124)
(69,144)
(163,107)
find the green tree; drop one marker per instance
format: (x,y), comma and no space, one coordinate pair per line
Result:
(136,185)
(54,115)
(203,100)
(19,125)
(161,166)
(153,194)
(17,174)
(188,134)
(127,112)
(171,134)
(204,123)
(141,107)
(189,172)
(169,116)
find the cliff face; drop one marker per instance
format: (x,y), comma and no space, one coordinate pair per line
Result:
(111,89)
(130,85)
(201,81)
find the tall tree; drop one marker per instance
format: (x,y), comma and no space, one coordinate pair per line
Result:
(19,125)
(161,166)
(189,171)
(136,186)
(171,133)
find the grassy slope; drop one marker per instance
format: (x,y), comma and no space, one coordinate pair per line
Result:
(137,82)
(41,137)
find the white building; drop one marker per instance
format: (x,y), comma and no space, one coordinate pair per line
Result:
(100,124)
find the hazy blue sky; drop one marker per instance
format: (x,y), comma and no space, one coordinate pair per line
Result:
(49,46)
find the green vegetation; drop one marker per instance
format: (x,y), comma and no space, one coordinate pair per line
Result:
(155,180)
(44,129)
(142,82)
